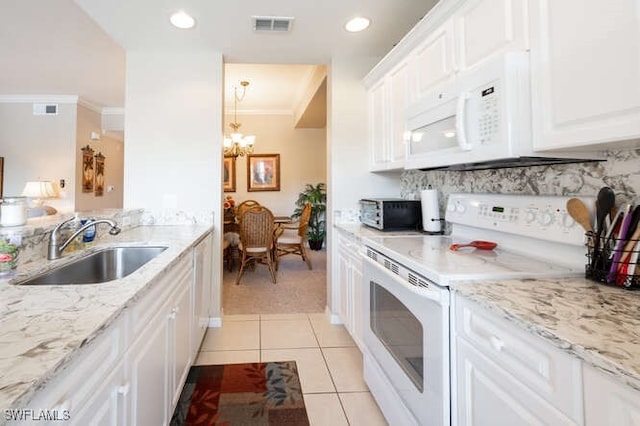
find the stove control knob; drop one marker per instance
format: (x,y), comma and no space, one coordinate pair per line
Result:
(567,221)
(460,208)
(545,218)
(530,216)
(451,208)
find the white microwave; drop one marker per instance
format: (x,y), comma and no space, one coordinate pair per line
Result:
(480,120)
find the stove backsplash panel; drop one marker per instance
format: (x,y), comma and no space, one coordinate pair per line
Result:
(621,172)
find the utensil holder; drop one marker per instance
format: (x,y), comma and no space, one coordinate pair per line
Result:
(600,261)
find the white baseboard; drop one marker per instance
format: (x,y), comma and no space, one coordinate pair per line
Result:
(333,318)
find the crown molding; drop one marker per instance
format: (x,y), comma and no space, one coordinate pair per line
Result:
(29,99)
(90,105)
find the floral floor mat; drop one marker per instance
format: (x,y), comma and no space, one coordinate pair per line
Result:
(242,394)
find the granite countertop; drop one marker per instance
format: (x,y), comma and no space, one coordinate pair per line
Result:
(359,231)
(42,327)
(596,323)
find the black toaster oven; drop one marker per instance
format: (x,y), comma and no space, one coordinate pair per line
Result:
(391,214)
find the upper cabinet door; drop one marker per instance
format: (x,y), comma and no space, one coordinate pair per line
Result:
(485,28)
(433,62)
(398,103)
(585,57)
(377,126)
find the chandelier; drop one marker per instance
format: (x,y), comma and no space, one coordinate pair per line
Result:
(238,145)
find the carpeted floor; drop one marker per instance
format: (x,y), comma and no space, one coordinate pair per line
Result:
(242,394)
(297,290)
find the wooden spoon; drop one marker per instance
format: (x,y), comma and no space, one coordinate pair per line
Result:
(580,213)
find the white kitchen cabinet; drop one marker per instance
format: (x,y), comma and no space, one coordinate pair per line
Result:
(487,28)
(202,293)
(504,375)
(161,355)
(388,101)
(608,401)
(350,287)
(432,62)
(180,334)
(96,369)
(108,404)
(378,123)
(585,58)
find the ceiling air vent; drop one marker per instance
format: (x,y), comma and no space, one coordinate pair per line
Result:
(45,109)
(272,23)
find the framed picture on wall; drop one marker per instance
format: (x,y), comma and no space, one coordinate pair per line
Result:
(99,174)
(263,172)
(229,174)
(87,169)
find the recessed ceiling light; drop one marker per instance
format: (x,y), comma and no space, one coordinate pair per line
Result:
(182,20)
(357,24)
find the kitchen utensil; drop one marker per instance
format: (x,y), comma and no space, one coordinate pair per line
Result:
(606,201)
(616,224)
(479,244)
(579,211)
(632,264)
(633,234)
(624,231)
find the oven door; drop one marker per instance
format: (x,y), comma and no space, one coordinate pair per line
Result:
(406,334)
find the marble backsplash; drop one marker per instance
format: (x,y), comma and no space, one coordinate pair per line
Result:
(621,172)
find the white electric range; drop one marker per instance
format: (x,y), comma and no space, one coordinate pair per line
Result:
(406,281)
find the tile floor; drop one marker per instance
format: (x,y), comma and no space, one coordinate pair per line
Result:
(329,362)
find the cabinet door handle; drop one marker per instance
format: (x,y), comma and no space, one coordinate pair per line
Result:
(173,314)
(124,389)
(496,343)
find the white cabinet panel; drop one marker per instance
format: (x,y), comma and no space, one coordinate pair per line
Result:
(512,367)
(350,287)
(487,395)
(180,320)
(202,293)
(378,121)
(485,28)
(398,103)
(108,403)
(433,62)
(585,57)
(609,402)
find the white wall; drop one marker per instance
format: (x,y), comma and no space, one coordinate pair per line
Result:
(347,152)
(91,121)
(39,147)
(302,159)
(173,132)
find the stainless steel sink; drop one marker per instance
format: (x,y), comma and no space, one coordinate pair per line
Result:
(99,267)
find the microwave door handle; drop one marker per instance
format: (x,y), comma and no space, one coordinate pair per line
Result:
(461,131)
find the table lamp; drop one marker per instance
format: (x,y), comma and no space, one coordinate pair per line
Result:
(38,192)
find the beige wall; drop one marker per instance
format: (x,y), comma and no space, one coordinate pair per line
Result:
(113,150)
(39,147)
(302,159)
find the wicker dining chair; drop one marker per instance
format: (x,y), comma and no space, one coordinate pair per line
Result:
(244,206)
(293,238)
(256,240)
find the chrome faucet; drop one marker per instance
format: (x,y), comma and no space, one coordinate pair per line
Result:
(55,248)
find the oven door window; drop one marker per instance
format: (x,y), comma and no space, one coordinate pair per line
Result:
(399,331)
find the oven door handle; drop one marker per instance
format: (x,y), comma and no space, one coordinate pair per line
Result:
(432,292)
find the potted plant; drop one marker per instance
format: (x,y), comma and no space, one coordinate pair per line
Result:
(317,197)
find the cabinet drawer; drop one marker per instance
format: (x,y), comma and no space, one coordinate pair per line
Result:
(548,371)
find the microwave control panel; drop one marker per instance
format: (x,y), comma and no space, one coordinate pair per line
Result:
(489,115)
